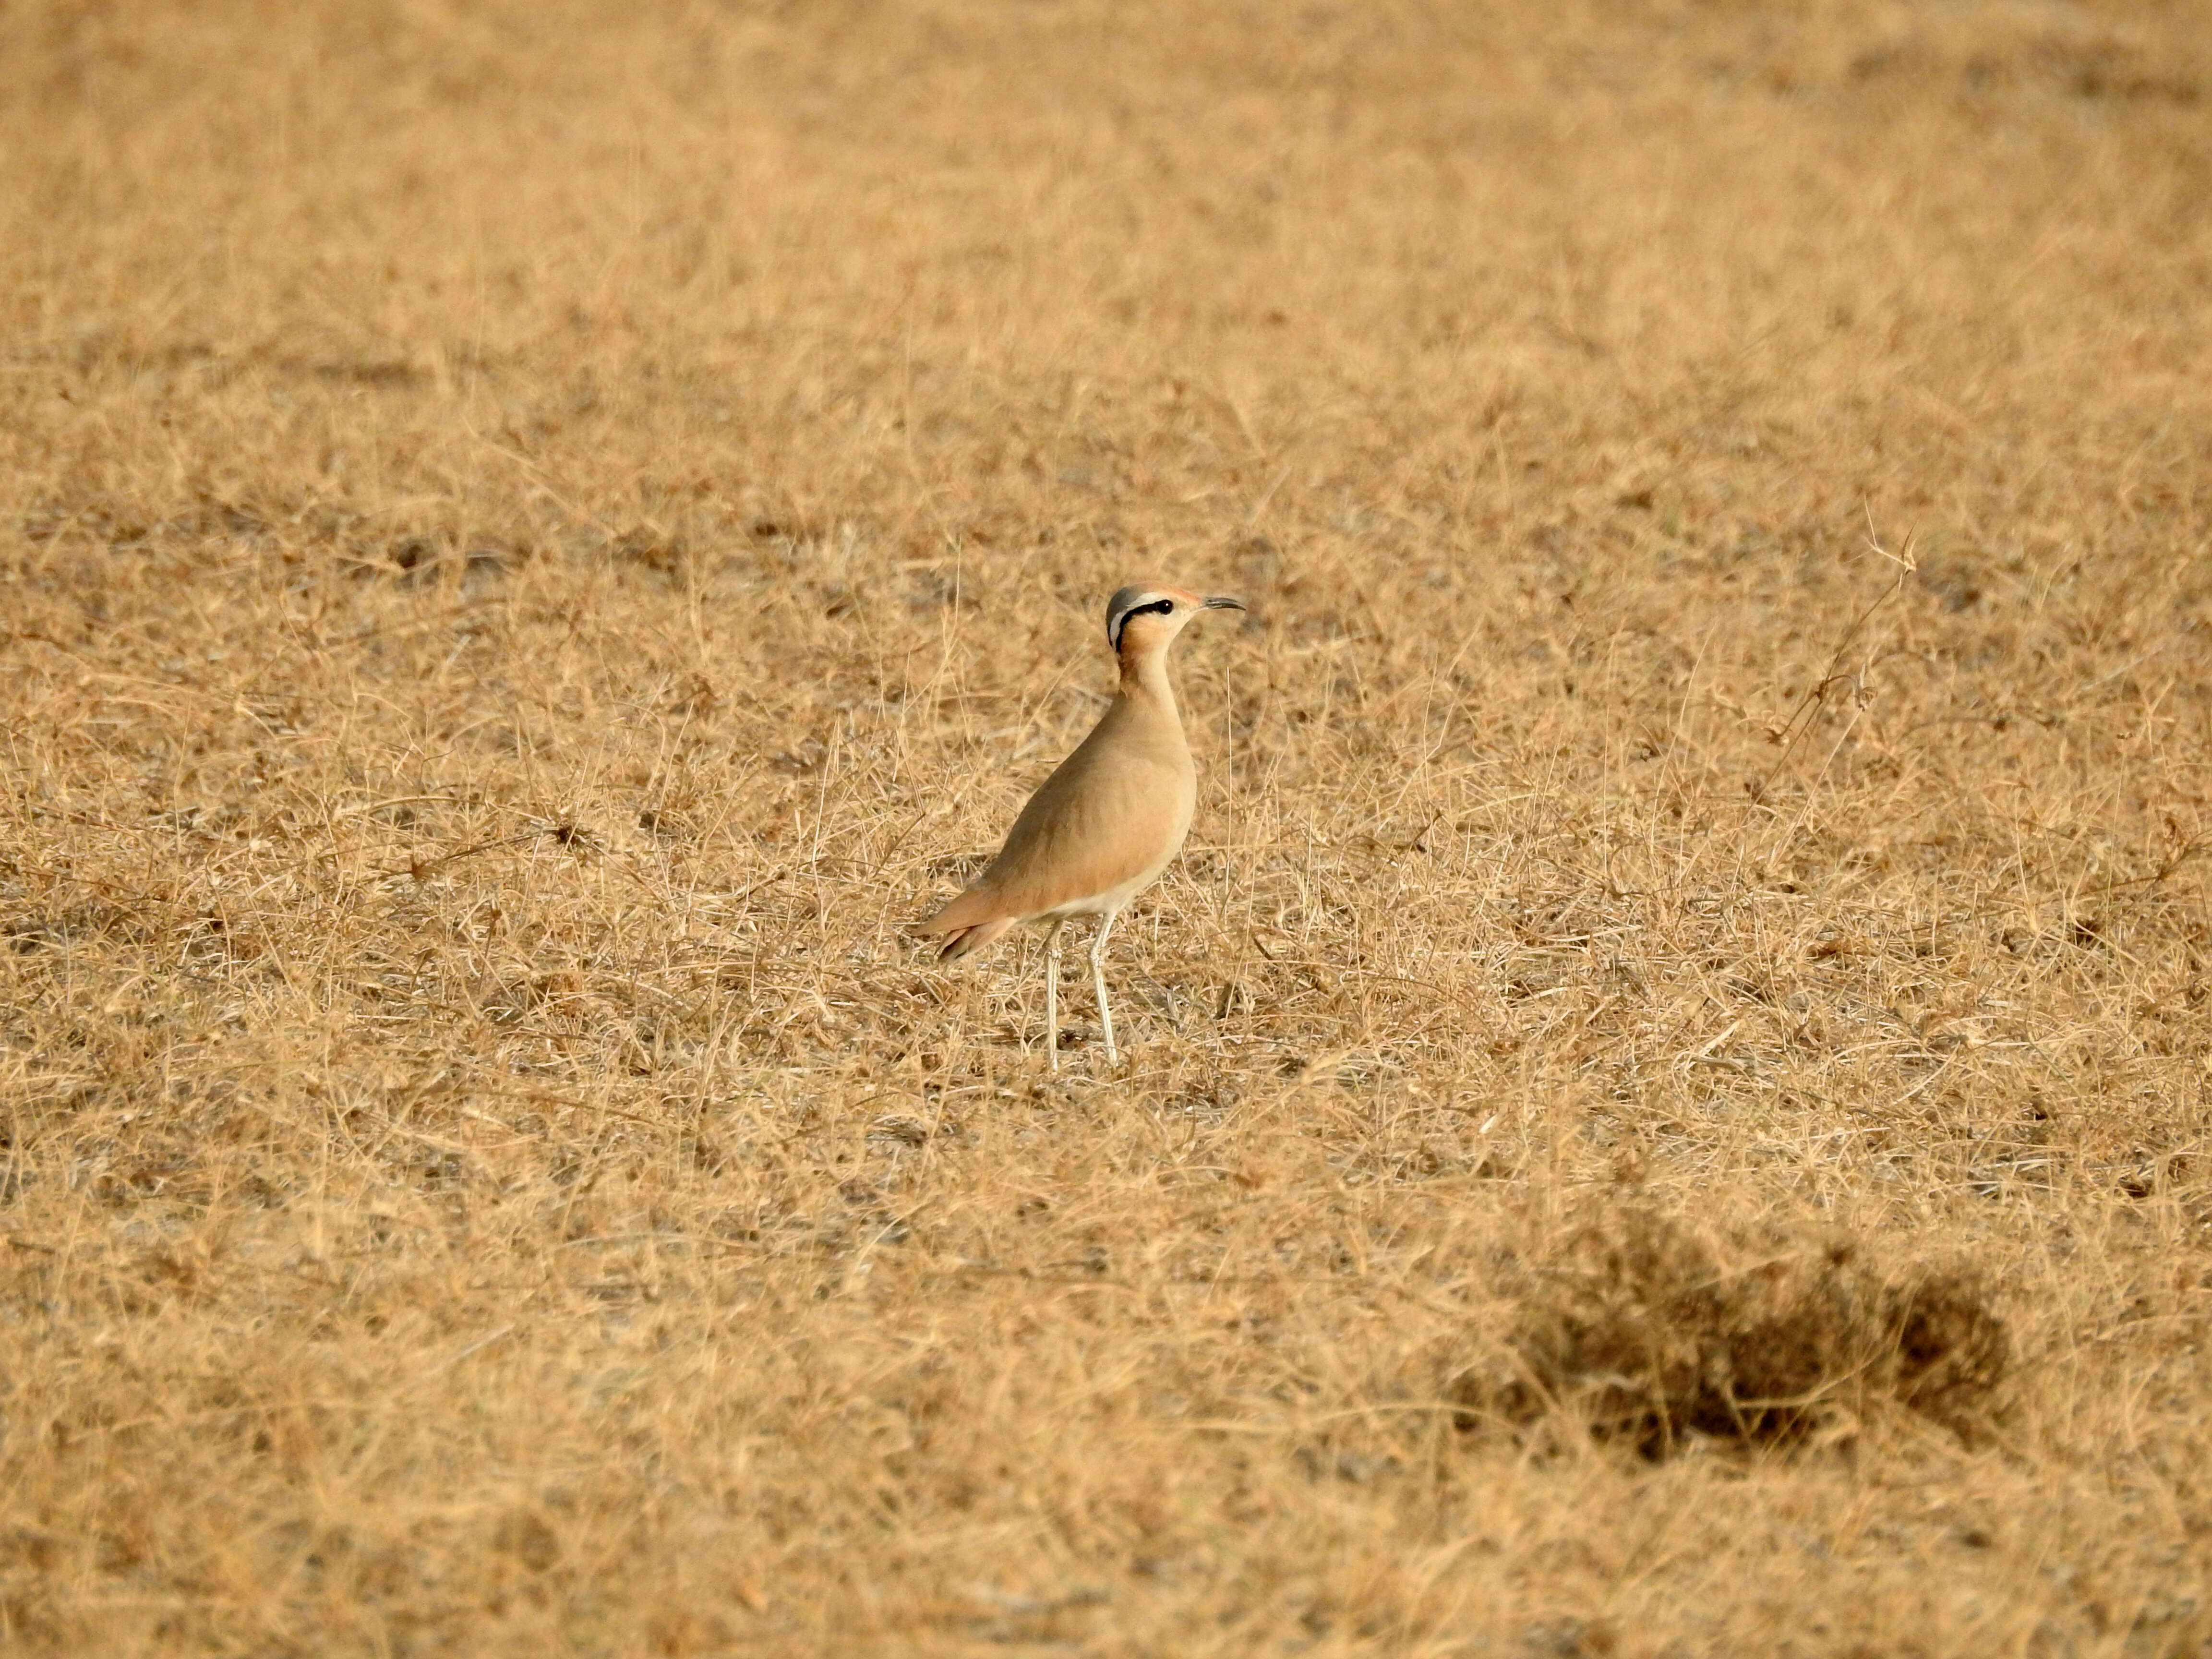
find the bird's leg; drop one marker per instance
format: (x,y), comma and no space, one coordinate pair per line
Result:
(1098,983)
(1051,995)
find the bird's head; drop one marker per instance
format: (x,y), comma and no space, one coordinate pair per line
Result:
(1143,618)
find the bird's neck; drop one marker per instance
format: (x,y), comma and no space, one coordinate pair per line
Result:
(1145,681)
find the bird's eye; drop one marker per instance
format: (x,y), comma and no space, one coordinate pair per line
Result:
(1167,607)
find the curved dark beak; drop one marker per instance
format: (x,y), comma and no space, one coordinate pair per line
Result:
(1223,602)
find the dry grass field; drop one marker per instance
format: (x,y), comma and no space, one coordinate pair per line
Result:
(1667,1099)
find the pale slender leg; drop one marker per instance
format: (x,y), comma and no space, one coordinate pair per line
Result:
(1098,983)
(1051,995)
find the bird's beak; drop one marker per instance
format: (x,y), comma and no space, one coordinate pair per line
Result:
(1223,602)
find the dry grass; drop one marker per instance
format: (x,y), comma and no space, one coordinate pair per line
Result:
(532,539)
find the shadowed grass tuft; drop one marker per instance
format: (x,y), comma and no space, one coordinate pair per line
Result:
(1647,1334)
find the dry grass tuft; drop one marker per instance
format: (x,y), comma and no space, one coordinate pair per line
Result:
(1649,1336)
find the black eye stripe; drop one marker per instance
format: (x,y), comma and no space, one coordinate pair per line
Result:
(1159,607)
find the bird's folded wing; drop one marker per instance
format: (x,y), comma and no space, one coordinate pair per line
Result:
(1071,843)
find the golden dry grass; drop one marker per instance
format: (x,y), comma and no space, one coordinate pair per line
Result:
(534,537)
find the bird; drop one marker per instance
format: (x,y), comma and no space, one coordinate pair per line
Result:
(1109,820)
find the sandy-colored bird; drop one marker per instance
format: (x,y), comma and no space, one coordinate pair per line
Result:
(1102,828)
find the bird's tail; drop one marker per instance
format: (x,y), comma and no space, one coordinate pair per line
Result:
(961,940)
(969,922)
